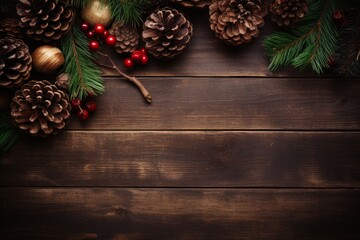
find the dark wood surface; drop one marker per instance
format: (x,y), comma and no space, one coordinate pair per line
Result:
(227,150)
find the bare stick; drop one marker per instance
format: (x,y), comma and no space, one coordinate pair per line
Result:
(131,79)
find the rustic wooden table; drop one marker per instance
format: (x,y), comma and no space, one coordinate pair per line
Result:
(227,150)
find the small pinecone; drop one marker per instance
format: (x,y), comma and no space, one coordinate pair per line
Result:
(127,37)
(15,62)
(193,3)
(166,33)
(40,109)
(45,20)
(10,27)
(152,5)
(237,21)
(288,12)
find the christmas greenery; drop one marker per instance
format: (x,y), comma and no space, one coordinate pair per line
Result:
(79,64)
(127,11)
(78,3)
(348,52)
(312,43)
(8,133)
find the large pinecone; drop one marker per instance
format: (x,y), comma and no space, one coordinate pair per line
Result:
(40,108)
(127,37)
(237,21)
(166,33)
(10,27)
(194,3)
(288,12)
(15,62)
(45,20)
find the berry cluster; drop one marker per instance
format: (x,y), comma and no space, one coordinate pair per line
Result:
(83,110)
(137,57)
(97,33)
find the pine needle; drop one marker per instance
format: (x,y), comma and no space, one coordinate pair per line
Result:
(313,43)
(79,64)
(8,133)
(128,11)
(78,3)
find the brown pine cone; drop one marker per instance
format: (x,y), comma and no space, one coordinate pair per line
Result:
(45,20)
(288,12)
(127,37)
(237,21)
(166,33)
(153,5)
(15,62)
(193,3)
(10,27)
(40,109)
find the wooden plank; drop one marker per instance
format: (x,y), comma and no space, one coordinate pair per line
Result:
(191,159)
(115,214)
(229,103)
(208,56)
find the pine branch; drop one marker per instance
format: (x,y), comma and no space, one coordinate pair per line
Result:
(79,64)
(347,56)
(311,44)
(8,133)
(78,3)
(128,11)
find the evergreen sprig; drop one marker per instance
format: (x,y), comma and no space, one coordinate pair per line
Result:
(128,11)
(78,3)
(8,133)
(313,43)
(79,64)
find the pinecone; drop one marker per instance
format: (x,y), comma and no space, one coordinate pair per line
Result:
(166,33)
(127,37)
(10,27)
(194,3)
(288,12)
(153,5)
(40,109)
(237,21)
(15,62)
(45,20)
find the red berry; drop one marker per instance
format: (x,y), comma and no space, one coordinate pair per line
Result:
(76,103)
(94,45)
(105,34)
(85,27)
(143,51)
(128,63)
(136,56)
(91,94)
(83,114)
(144,60)
(90,34)
(110,40)
(90,106)
(99,29)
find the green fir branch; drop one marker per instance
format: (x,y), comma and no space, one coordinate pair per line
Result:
(311,44)
(8,133)
(128,11)
(78,3)
(79,64)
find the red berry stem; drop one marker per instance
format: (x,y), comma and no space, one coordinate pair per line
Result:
(131,79)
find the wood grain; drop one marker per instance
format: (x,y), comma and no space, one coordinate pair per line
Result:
(229,103)
(115,214)
(191,159)
(208,56)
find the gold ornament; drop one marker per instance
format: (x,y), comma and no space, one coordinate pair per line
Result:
(5,99)
(97,12)
(47,59)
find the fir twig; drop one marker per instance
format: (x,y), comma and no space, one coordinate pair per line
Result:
(128,11)
(78,3)
(79,64)
(311,44)
(133,80)
(8,133)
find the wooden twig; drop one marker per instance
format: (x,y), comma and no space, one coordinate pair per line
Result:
(131,79)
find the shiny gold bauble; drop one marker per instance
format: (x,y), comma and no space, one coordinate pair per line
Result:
(97,12)
(47,59)
(5,99)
